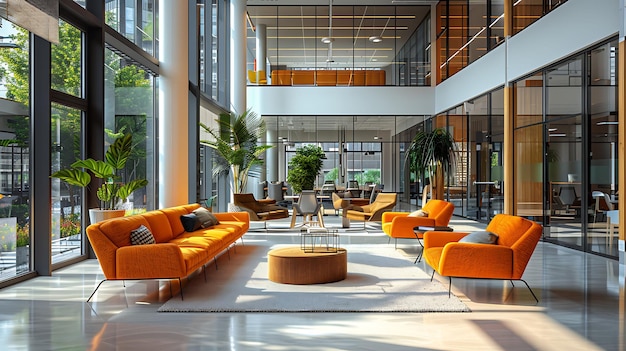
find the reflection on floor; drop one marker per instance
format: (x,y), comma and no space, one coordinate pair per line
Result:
(579,309)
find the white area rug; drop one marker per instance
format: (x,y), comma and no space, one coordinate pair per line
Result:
(379,280)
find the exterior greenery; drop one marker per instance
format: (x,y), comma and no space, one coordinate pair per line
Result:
(235,142)
(113,189)
(304,167)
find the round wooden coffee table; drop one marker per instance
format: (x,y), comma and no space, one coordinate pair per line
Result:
(291,265)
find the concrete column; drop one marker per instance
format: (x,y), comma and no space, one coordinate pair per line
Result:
(261,50)
(271,156)
(238,72)
(508,161)
(173,105)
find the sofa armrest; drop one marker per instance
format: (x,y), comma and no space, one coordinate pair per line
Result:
(150,261)
(476,261)
(233,216)
(402,227)
(390,215)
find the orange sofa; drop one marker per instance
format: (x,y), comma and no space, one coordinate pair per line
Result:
(507,259)
(176,253)
(399,225)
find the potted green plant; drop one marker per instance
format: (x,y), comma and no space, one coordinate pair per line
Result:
(236,144)
(112,191)
(433,154)
(304,167)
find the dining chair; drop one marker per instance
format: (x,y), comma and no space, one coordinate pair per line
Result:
(307,207)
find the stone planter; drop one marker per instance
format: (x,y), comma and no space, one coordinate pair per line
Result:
(97,215)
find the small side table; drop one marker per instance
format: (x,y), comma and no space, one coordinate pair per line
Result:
(328,239)
(419,234)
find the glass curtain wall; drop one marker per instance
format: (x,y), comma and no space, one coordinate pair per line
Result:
(561,114)
(213,72)
(15,235)
(66,135)
(129,109)
(67,214)
(136,21)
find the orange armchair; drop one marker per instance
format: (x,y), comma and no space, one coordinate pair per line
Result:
(507,259)
(399,225)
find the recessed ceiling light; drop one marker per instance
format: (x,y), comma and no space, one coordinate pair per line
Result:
(327,40)
(376,39)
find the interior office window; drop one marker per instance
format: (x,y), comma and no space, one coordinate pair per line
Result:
(66,75)
(129,108)
(66,199)
(15,237)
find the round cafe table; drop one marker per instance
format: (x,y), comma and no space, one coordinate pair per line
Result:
(291,265)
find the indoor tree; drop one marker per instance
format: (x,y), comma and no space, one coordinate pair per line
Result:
(433,154)
(304,167)
(235,141)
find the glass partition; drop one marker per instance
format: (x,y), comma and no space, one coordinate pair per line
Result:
(357,45)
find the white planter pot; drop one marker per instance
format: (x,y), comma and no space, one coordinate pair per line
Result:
(97,215)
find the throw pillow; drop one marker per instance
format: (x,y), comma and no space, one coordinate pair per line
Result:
(141,236)
(480,237)
(418,213)
(206,218)
(190,222)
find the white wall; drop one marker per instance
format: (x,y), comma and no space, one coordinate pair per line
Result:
(349,101)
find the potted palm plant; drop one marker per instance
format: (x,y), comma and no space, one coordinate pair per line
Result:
(112,191)
(433,154)
(235,141)
(304,167)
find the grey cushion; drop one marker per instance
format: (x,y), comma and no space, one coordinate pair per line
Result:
(190,222)
(206,218)
(480,237)
(141,236)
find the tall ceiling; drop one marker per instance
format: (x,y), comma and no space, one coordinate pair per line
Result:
(295,30)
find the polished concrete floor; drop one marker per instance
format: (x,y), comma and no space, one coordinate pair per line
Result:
(581,308)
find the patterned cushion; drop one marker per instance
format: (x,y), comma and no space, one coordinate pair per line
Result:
(206,218)
(141,236)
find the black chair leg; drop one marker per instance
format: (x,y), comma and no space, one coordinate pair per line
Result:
(531,290)
(94,292)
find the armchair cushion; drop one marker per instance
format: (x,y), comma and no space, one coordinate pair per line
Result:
(418,213)
(480,237)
